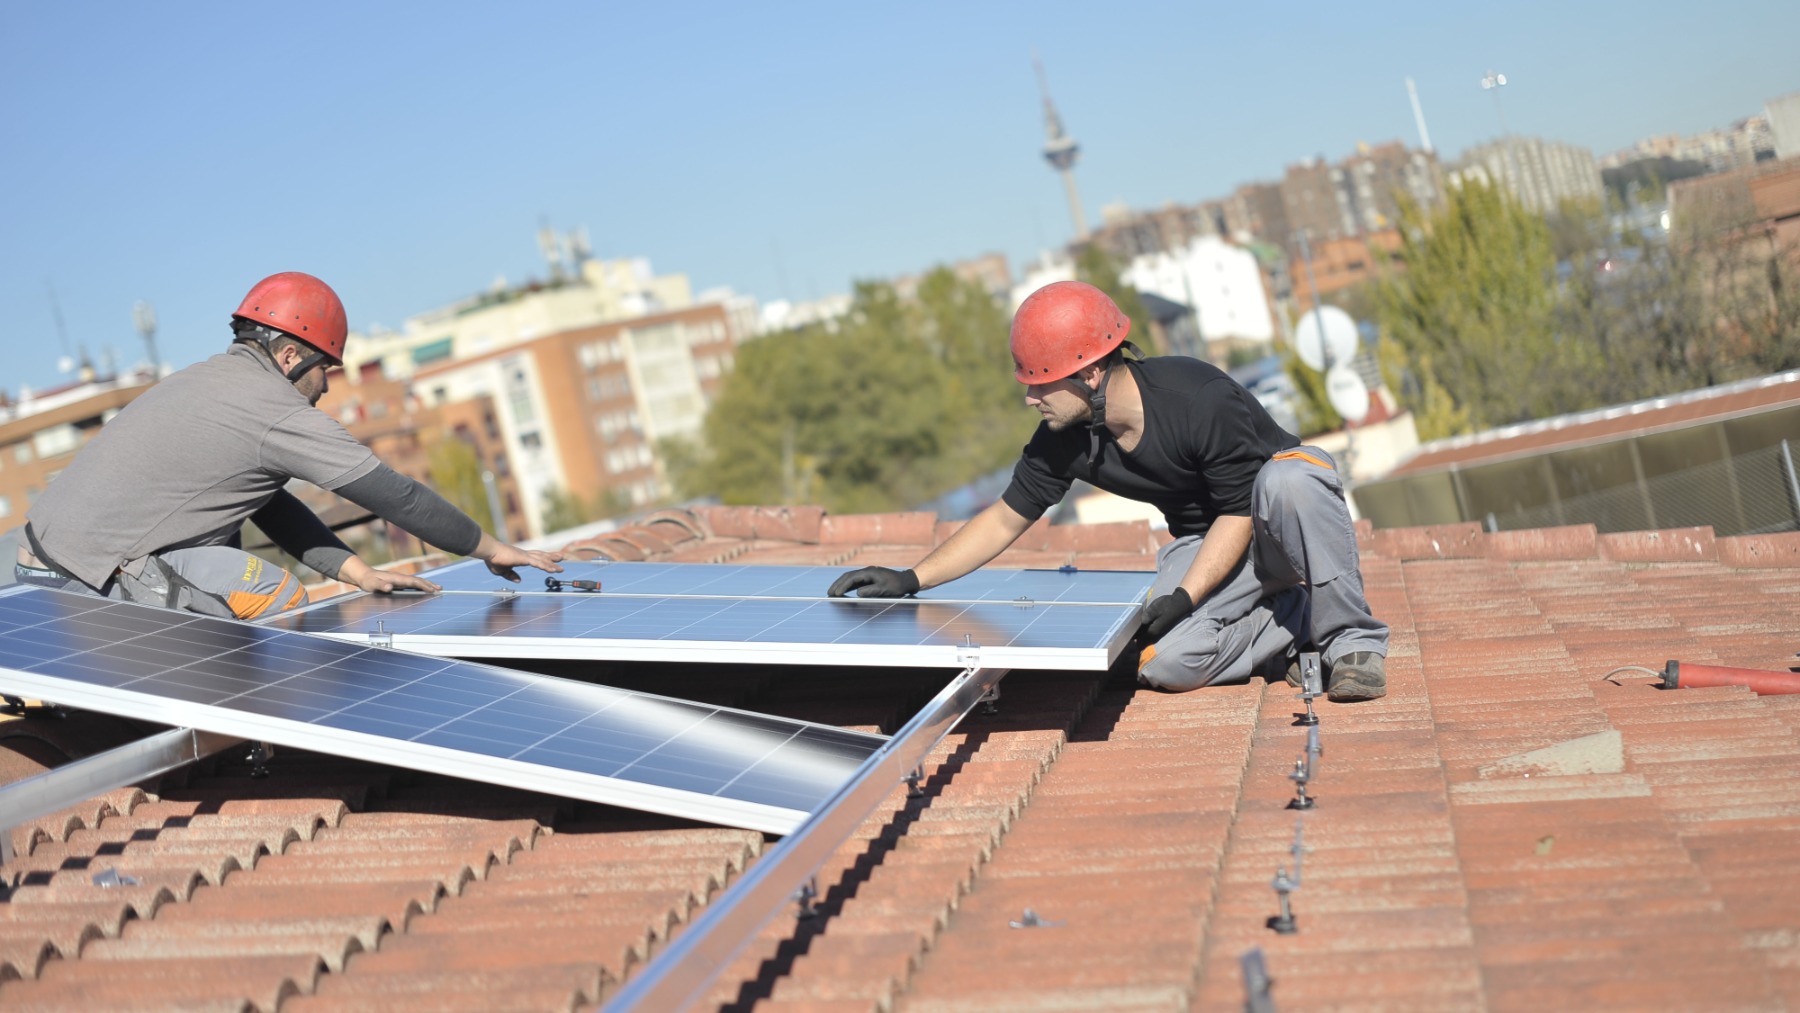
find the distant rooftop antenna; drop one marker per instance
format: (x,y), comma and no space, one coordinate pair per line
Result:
(65,364)
(144,316)
(1060,150)
(1419,115)
(581,251)
(551,247)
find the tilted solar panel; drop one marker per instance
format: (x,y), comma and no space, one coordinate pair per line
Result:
(838,631)
(476,721)
(725,580)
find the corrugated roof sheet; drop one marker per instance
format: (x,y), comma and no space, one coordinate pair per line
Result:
(1639,857)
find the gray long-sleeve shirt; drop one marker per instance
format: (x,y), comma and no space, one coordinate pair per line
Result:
(194,456)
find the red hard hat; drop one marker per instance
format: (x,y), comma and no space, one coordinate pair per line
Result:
(300,305)
(1062,327)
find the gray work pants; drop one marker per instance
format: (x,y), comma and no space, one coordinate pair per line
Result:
(1299,582)
(213,580)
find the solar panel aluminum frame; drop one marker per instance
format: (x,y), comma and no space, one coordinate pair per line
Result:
(402,753)
(956,656)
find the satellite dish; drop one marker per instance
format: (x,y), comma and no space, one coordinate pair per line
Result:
(1347,393)
(1326,336)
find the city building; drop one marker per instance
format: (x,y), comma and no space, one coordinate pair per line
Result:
(1127,234)
(388,417)
(1722,149)
(1359,195)
(990,270)
(1222,284)
(1541,174)
(1255,211)
(1783,123)
(1338,264)
(585,373)
(41,431)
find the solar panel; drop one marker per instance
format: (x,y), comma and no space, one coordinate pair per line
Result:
(1105,587)
(477,721)
(727,614)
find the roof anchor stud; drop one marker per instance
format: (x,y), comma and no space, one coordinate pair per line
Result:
(806,899)
(1284,922)
(1302,773)
(1312,686)
(1032,920)
(1257,982)
(913,780)
(113,878)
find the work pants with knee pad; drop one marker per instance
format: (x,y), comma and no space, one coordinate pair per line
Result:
(1299,583)
(213,580)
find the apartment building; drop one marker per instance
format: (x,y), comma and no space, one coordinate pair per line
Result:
(41,431)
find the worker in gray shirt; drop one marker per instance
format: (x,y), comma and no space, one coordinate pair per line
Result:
(151,509)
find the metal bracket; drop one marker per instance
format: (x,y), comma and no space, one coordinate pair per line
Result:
(380,637)
(1032,920)
(807,899)
(913,781)
(259,756)
(990,701)
(968,653)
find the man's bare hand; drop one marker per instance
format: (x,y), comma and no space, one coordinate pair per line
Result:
(361,575)
(506,557)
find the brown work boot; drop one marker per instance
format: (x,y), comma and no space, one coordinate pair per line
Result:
(1359,675)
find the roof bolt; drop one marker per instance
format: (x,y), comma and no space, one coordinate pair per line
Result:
(1256,982)
(1311,687)
(1032,920)
(1300,776)
(1284,922)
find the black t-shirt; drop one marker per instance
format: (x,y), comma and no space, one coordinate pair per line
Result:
(1205,438)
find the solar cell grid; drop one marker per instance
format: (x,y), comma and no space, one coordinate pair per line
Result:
(685,758)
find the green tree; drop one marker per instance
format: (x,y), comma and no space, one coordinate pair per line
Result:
(455,471)
(1474,313)
(1099,269)
(899,402)
(563,510)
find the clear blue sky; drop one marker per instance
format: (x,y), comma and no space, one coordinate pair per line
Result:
(406,152)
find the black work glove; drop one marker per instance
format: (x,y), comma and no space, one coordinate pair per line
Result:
(1165,612)
(875,582)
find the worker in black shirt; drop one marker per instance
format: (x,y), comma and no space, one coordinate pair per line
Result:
(1263,560)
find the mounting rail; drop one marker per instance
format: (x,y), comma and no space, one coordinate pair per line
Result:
(677,977)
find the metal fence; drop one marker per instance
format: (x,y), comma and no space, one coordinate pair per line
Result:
(1756,492)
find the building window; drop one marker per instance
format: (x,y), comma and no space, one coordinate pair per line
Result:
(22,452)
(531,441)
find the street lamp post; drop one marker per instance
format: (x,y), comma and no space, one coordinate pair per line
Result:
(1492,83)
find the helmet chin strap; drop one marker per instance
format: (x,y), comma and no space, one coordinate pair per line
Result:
(1096,398)
(264,338)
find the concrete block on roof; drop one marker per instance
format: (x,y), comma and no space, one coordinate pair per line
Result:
(1672,545)
(1575,541)
(910,528)
(1600,753)
(1438,541)
(1747,551)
